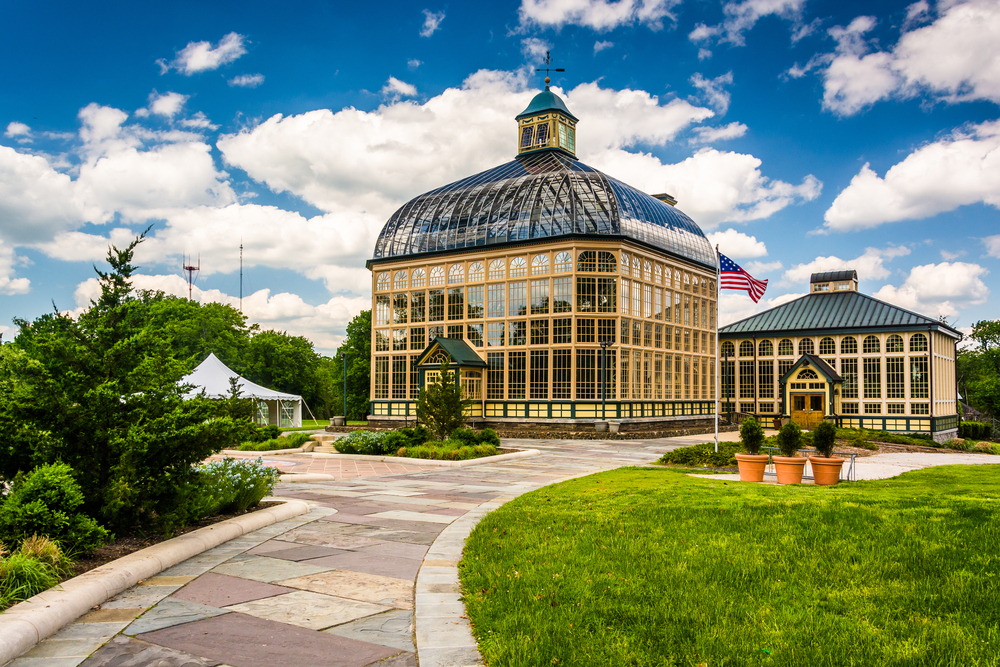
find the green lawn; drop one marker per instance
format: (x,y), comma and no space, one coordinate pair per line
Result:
(313,424)
(650,567)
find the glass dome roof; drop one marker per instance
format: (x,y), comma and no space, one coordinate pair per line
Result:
(538,196)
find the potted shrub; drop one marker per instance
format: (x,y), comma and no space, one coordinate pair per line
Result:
(825,466)
(753,462)
(788,465)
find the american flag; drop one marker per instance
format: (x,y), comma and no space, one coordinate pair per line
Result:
(732,276)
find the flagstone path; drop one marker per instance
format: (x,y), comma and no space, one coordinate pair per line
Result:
(334,587)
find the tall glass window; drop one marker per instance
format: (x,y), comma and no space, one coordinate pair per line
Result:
(658,303)
(418,305)
(849,371)
(381,377)
(606,331)
(626,297)
(496,300)
(607,295)
(636,365)
(494,375)
(765,379)
(399,309)
(918,377)
(539,387)
(636,298)
(417,340)
(873,377)
(515,375)
(585,330)
(518,333)
(539,332)
(456,303)
(382,311)
(435,299)
(586,376)
(586,295)
(562,373)
(562,295)
(647,300)
(895,376)
(399,339)
(637,332)
(539,296)
(474,303)
(399,379)
(517,304)
(494,334)
(746,379)
(474,334)
(562,330)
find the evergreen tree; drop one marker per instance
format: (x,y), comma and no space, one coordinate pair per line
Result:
(440,404)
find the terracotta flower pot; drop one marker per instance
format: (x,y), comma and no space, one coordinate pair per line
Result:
(789,469)
(826,471)
(751,467)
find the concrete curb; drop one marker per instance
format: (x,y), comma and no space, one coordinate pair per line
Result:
(27,623)
(305,449)
(524,453)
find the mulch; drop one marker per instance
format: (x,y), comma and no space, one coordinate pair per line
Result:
(127,544)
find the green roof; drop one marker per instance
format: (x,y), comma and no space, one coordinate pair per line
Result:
(833,312)
(545,101)
(456,348)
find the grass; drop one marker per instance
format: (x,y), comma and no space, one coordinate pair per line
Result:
(313,424)
(447,450)
(649,567)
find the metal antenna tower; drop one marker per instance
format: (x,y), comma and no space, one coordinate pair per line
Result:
(241,275)
(192,272)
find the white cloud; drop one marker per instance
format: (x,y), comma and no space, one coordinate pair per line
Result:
(939,290)
(199,121)
(742,16)
(951,256)
(19,132)
(704,54)
(737,244)
(595,14)
(36,201)
(247,80)
(600,46)
(9,284)
(960,169)
(706,135)
(413,63)
(167,105)
(735,306)
(870,265)
(534,50)
(202,56)
(758,269)
(927,59)
(323,324)
(432,23)
(395,89)
(714,91)
(992,244)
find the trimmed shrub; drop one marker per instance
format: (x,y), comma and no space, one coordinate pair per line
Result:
(824,438)
(262,433)
(290,441)
(975,430)
(232,485)
(789,439)
(751,435)
(704,455)
(367,442)
(45,502)
(470,437)
(415,436)
(447,450)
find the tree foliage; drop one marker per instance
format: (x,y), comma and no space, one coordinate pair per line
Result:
(440,404)
(358,348)
(979,368)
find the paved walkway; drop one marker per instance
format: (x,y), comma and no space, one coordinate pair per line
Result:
(339,585)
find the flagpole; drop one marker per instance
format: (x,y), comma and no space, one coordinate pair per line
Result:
(718,361)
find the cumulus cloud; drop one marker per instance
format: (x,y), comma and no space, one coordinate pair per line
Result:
(758,269)
(247,80)
(939,290)
(167,105)
(202,56)
(736,306)
(432,23)
(992,244)
(870,265)
(925,60)
(534,50)
(742,16)
(19,132)
(714,91)
(595,14)
(8,283)
(704,54)
(706,135)
(395,89)
(600,46)
(960,169)
(413,63)
(737,244)
(36,201)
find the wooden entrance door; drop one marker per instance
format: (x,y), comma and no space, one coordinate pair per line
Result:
(807,410)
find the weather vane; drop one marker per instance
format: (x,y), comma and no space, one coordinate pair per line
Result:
(548,67)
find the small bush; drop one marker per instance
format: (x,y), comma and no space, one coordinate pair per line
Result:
(22,576)
(447,450)
(262,433)
(789,439)
(751,435)
(470,437)
(290,441)
(371,443)
(824,438)
(704,455)
(232,485)
(45,502)
(416,436)
(975,430)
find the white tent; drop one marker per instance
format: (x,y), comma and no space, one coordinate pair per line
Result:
(273,407)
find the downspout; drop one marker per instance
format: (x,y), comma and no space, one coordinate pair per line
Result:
(930,375)
(756,407)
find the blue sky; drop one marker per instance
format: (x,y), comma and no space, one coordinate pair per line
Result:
(800,135)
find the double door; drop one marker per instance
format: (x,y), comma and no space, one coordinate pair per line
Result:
(808,410)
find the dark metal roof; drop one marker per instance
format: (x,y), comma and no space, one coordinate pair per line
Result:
(833,276)
(820,365)
(545,101)
(832,311)
(538,196)
(459,351)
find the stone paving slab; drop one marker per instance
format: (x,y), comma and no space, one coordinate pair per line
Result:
(387,566)
(128,652)
(393,628)
(358,586)
(169,613)
(246,641)
(307,609)
(263,568)
(220,590)
(404,515)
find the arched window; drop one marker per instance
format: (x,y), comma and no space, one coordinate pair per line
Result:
(677,279)
(870,346)
(827,346)
(918,343)
(728,349)
(647,271)
(382,282)
(587,261)
(808,374)
(475,272)
(894,343)
(785,348)
(419,278)
(540,265)
(806,346)
(746,348)
(498,269)
(765,348)
(658,274)
(518,267)
(636,266)
(456,274)
(564,262)
(849,345)
(399,280)
(625,265)
(437,275)
(606,262)
(687,282)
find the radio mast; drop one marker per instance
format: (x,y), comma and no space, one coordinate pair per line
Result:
(241,275)
(192,272)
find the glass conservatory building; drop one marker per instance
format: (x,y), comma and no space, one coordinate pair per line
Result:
(562,295)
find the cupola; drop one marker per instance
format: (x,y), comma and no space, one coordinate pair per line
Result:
(546,125)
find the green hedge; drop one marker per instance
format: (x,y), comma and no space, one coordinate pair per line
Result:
(704,455)
(975,430)
(290,441)
(447,450)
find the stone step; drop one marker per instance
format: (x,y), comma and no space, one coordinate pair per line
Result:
(324,437)
(325,449)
